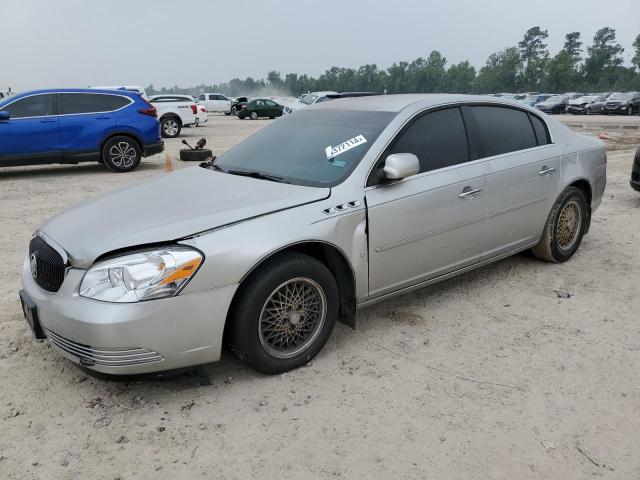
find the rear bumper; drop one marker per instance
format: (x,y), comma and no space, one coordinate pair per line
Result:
(153,148)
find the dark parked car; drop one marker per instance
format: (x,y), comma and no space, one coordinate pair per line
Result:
(586,104)
(238,104)
(555,104)
(260,107)
(623,103)
(533,100)
(635,172)
(115,128)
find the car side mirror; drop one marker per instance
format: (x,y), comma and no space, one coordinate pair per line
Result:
(401,165)
(4,116)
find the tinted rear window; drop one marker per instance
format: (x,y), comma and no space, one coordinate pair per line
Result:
(542,135)
(75,103)
(503,130)
(438,139)
(114,102)
(34,106)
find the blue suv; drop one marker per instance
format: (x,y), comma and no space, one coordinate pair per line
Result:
(114,127)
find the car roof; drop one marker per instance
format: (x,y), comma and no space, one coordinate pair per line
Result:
(396,103)
(27,93)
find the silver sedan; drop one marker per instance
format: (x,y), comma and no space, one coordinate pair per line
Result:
(325,211)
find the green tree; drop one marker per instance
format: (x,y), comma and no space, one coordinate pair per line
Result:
(460,78)
(601,67)
(501,73)
(274,79)
(636,58)
(562,72)
(534,54)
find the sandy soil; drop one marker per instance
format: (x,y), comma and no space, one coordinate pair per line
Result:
(486,376)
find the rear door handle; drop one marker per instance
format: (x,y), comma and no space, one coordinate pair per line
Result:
(103,118)
(469,193)
(546,171)
(49,121)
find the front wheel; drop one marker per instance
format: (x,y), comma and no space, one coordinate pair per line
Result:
(629,110)
(170,127)
(284,314)
(588,110)
(564,228)
(234,110)
(121,154)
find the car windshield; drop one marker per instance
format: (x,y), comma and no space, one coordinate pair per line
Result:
(308,98)
(313,148)
(584,99)
(620,96)
(530,98)
(556,98)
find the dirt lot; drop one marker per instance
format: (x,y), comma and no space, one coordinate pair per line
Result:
(486,376)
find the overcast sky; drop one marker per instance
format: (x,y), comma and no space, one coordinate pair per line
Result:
(76,43)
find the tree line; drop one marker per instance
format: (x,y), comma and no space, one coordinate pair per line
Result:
(527,66)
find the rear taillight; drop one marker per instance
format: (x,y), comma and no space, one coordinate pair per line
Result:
(151,111)
(194,109)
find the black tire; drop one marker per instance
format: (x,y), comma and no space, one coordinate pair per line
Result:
(556,245)
(253,115)
(247,335)
(188,155)
(121,154)
(170,127)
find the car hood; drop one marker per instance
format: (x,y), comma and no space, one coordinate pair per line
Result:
(168,208)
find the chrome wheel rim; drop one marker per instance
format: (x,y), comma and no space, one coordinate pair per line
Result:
(170,127)
(569,223)
(254,115)
(292,317)
(122,154)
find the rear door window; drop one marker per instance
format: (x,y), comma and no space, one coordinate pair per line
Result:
(77,103)
(34,106)
(438,139)
(502,130)
(542,135)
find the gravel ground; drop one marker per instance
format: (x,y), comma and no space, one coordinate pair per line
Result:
(486,376)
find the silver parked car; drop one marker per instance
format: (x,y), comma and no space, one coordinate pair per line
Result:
(330,209)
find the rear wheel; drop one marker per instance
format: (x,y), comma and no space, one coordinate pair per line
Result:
(254,115)
(629,110)
(121,154)
(170,127)
(284,314)
(565,227)
(234,110)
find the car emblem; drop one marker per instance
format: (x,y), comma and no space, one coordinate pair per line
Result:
(33,262)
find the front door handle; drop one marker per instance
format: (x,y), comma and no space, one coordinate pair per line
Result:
(48,121)
(103,118)
(469,193)
(546,171)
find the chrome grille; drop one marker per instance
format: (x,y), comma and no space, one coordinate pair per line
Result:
(47,266)
(112,357)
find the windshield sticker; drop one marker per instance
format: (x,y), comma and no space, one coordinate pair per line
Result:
(344,146)
(339,163)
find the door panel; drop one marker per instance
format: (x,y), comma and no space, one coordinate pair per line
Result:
(521,188)
(83,123)
(31,134)
(27,140)
(420,228)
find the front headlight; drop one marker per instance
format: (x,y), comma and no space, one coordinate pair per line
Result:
(141,276)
